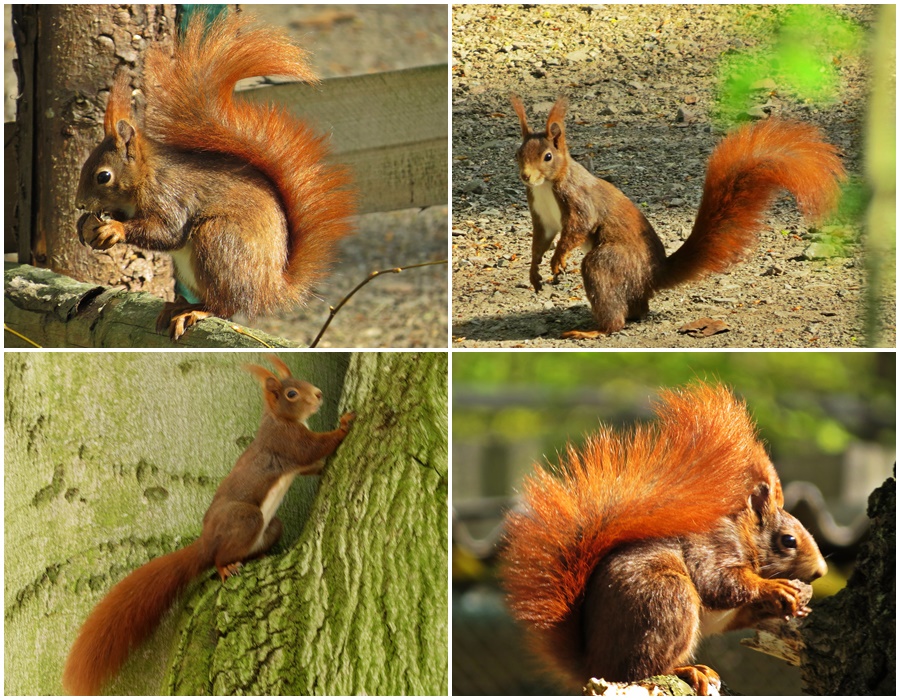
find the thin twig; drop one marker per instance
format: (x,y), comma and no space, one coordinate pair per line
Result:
(19,335)
(243,331)
(332,311)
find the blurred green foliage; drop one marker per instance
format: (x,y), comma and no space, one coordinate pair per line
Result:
(806,401)
(798,51)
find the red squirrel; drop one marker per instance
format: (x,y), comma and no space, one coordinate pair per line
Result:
(625,263)
(239,525)
(648,539)
(238,193)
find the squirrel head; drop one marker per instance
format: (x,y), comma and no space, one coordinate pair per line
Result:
(111,173)
(286,398)
(786,549)
(543,155)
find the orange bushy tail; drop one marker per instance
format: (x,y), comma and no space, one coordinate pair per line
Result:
(127,616)
(190,105)
(698,462)
(745,172)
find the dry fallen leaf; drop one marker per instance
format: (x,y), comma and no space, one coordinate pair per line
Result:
(704,327)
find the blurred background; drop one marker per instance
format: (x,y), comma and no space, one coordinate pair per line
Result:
(827,418)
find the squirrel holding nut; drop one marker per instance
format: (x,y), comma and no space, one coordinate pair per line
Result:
(646,541)
(625,262)
(239,194)
(239,525)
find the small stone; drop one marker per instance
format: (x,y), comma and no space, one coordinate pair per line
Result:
(577,56)
(757,112)
(473,187)
(820,251)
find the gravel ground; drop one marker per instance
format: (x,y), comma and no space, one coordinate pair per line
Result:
(628,70)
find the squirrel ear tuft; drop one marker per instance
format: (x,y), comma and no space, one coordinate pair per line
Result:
(118,107)
(260,373)
(556,128)
(557,113)
(280,367)
(759,499)
(270,383)
(520,113)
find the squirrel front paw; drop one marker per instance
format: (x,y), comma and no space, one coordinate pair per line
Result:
(536,279)
(347,420)
(785,599)
(100,234)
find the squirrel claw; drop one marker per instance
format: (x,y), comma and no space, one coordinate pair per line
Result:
(347,420)
(228,570)
(176,317)
(701,678)
(99,234)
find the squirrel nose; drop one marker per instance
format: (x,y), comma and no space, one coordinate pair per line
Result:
(821,568)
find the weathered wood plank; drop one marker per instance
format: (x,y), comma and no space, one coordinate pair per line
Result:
(389,128)
(56,311)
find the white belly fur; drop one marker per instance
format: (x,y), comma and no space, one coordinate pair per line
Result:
(184,270)
(271,502)
(547,209)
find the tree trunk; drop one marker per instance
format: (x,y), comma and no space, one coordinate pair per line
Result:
(851,637)
(359,604)
(67,55)
(112,459)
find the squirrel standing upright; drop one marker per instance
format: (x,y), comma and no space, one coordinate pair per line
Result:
(238,193)
(240,525)
(625,262)
(650,539)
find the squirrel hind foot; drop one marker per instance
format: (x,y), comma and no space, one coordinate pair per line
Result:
(179,315)
(701,678)
(583,335)
(228,570)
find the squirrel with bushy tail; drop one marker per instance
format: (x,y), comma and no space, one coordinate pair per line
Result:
(646,541)
(240,194)
(239,525)
(625,262)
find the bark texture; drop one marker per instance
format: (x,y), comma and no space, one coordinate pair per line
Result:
(358,605)
(851,642)
(67,57)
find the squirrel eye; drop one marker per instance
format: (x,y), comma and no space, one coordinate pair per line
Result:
(548,156)
(789,542)
(103,177)
(292,394)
